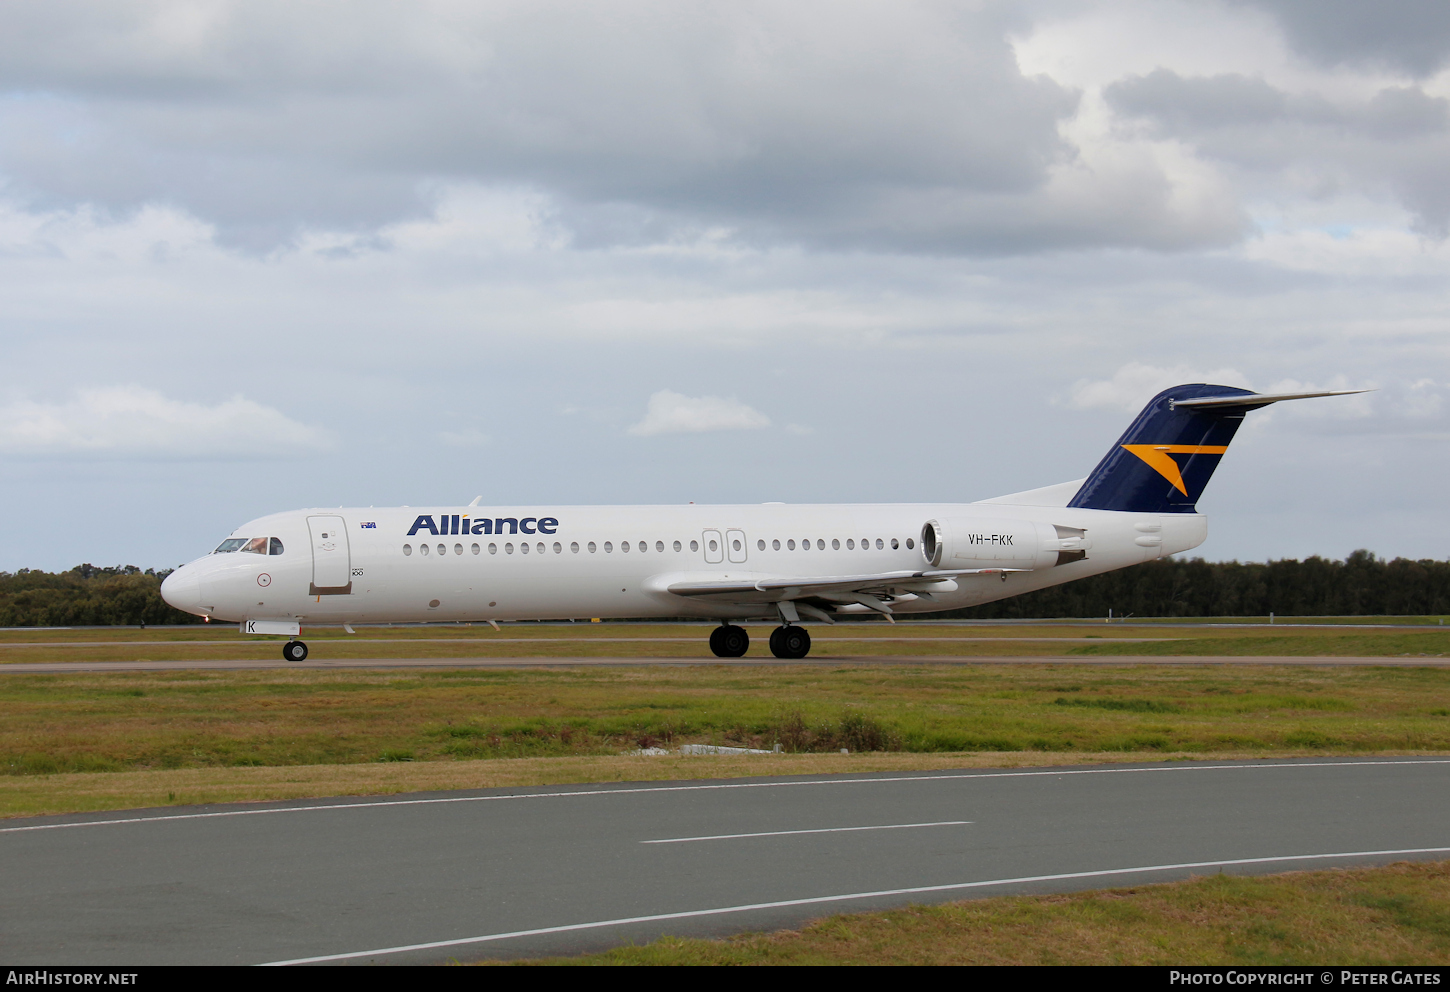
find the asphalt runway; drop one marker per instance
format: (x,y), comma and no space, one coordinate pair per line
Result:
(511,873)
(263,664)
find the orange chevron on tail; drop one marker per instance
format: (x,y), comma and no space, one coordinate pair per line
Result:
(1157,456)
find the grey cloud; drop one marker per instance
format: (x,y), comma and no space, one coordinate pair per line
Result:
(1398,137)
(1409,36)
(864,125)
(1180,105)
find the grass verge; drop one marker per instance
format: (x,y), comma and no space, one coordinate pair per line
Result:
(81,792)
(1302,643)
(1395,915)
(160,721)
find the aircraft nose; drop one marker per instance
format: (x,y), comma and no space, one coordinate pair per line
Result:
(182,589)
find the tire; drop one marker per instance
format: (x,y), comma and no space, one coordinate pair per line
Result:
(729,642)
(790,642)
(294,651)
(775,646)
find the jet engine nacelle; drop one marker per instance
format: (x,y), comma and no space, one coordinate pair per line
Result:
(974,542)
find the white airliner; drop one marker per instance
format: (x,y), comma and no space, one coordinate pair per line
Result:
(727,563)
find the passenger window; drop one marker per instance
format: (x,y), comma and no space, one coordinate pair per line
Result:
(559,548)
(850,544)
(458,549)
(276,548)
(608,547)
(508,547)
(775,545)
(806,544)
(894,544)
(790,545)
(541,547)
(591,547)
(760,545)
(910,543)
(659,545)
(624,546)
(835,544)
(694,545)
(879,545)
(442,549)
(677,545)
(475,549)
(423,549)
(524,548)
(407,550)
(735,544)
(493,549)
(574,546)
(820,544)
(714,546)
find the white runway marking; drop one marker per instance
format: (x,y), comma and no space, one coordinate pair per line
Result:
(819,900)
(821,830)
(166,818)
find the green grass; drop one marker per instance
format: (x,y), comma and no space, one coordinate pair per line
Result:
(1396,915)
(97,722)
(1300,643)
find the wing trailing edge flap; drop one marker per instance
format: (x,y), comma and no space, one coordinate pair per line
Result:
(834,592)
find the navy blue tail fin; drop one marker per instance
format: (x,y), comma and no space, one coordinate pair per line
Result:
(1166,457)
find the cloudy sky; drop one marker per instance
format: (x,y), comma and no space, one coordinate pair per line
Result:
(258,256)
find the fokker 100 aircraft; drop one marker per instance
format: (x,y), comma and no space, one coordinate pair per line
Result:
(727,563)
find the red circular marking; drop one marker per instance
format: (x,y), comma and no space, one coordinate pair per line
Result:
(264,580)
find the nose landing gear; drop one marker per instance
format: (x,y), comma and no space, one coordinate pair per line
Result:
(729,642)
(294,651)
(790,642)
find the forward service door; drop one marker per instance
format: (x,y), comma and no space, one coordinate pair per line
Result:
(331,557)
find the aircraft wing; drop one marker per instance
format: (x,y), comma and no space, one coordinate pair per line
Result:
(822,595)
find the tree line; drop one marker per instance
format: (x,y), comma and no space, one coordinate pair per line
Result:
(86,596)
(1361,585)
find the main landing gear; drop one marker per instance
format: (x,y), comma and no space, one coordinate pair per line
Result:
(787,641)
(294,651)
(729,642)
(790,642)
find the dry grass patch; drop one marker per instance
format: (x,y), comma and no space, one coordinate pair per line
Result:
(1396,915)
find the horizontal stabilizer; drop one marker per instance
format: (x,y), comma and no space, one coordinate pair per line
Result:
(1259,399)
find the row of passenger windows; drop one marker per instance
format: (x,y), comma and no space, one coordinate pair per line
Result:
(643,546)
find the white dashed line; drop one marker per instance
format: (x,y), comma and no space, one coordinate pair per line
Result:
(821,830)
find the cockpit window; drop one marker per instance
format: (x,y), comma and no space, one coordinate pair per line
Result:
(256,546)
(229,545)
(276,547)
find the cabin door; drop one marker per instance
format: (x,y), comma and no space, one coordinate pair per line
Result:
(331,557)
